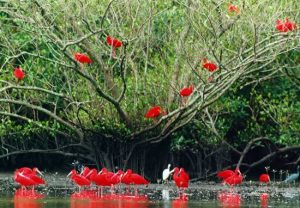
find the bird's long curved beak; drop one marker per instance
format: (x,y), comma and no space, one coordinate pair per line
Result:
(39,172)
(69,174)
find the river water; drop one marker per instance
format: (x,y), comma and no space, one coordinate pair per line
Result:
(63,194)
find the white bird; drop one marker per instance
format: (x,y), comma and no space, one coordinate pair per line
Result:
(166,173)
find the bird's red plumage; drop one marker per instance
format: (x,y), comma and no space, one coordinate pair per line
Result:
(186,91)
(114,42)
(82,58)
(264,178)
(19,73)
(153,112)
(225,174)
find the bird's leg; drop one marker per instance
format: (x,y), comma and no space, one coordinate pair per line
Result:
(101,191)
(32,190)
(178,190)
(135,190)
(231,188)
(114,53)
(112,189)
(98,191)
(127,189)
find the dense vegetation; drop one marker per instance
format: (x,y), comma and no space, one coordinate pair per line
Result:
(96,112)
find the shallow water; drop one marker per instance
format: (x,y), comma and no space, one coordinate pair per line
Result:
(63,194)
(199,195)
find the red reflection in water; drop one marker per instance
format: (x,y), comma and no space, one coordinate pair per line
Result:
(27,199)
(264,200)
(180,203)
(229,200)
(90,199)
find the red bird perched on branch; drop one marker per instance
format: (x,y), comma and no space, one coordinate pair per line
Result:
(155,112)
(186,91)
(82,58)
(210,66)
(19,73)
(233,9)
(114,43)
(285,25)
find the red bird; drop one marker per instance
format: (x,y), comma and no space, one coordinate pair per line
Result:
(225,174)
(181,179)
(235,179)
(210,66)
(233,8)
(133,178)
(264,178)
(114,43)
(82,58)
(285,25)
(79,179)
(186,91)
(28,177)
(154,112)
(19,73)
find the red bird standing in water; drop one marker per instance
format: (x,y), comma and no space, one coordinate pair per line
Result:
(79,179)
(133,178)
(235,179)
(181,179)
(264,178)
(28,177)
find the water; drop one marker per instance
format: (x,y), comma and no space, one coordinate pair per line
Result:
(198,195)
(63,194)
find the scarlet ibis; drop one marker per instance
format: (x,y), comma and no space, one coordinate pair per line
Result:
(235,179)
(264,178)
(82,58)
(285,26)
(181,179)
(210,66)
(154,112)
(166,173)
(19,73)
(27,177)
(225,174)
(114,43)
(79,179)
(233,9)
(186,92)
(133,178)
(293,177)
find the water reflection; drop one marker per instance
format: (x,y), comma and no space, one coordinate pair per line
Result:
(264,200)
(27,199)
(180,203)
(229,199)
(90,199)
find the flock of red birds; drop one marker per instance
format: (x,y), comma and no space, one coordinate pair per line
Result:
(28,177)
